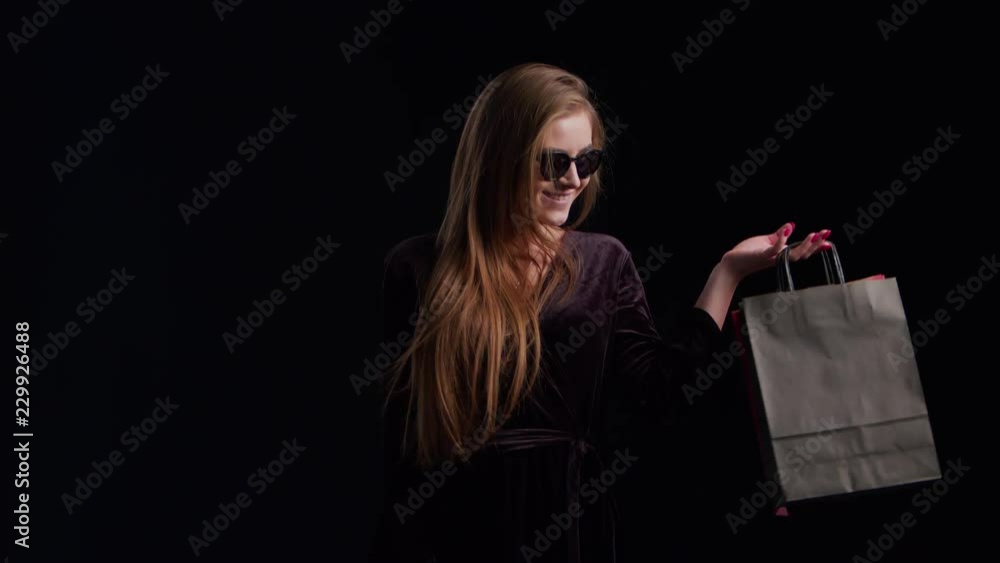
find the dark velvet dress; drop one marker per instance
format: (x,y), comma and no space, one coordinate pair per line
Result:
(541,489)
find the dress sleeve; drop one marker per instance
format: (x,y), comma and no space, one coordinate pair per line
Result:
(399,535)
(399,295)
(650,366)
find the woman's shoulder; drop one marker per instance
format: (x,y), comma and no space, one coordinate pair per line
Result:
(416,254)
(412,247)
(599,245)
(410,255)
(603,256)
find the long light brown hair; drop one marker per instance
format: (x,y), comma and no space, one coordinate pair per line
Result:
(478,353)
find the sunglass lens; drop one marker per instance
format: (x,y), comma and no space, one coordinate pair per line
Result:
(588,164)
(554,165)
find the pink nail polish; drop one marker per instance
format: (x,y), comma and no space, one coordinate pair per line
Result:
(826,234)
(788,232)
(814,238)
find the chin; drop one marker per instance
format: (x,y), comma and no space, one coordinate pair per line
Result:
(554,215)
(554,219)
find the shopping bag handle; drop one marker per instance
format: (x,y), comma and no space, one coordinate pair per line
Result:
(784,270)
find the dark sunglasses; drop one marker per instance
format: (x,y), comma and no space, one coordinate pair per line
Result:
(555,164)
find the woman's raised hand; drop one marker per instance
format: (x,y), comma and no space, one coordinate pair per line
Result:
(760,252)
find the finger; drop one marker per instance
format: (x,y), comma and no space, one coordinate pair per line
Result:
(809,245)
(817,243)
(779,238)
(826,244)
(799,252)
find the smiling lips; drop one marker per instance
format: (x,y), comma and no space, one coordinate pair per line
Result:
(559,197)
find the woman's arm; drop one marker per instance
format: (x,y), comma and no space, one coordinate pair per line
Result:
(717,295)
(658,368)
(399,535)
(749,256)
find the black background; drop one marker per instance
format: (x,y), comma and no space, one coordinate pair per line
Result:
(324,176)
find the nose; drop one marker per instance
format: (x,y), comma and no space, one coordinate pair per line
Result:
(570,180)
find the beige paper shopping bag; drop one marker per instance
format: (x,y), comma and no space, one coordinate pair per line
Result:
(841,412)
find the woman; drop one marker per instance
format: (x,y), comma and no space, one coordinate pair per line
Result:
(494,414)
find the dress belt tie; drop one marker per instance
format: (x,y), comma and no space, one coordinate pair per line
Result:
(514,439)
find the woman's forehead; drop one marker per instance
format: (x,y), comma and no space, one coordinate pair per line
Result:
(571,134)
